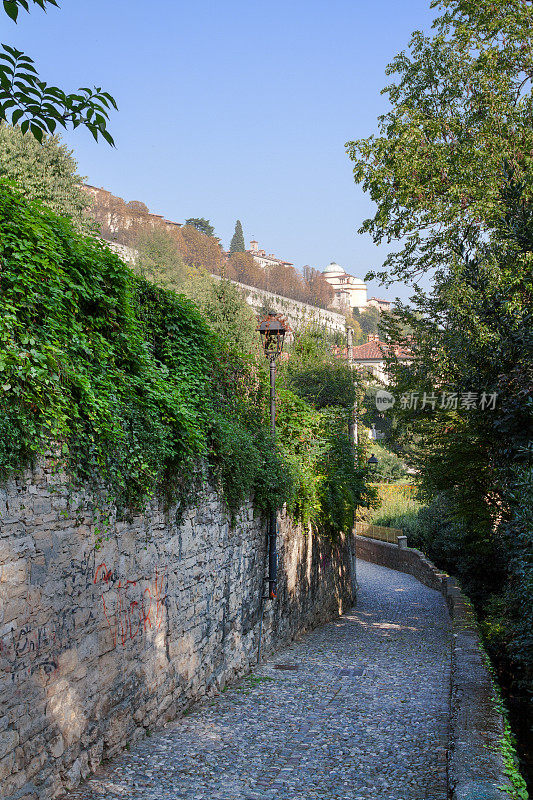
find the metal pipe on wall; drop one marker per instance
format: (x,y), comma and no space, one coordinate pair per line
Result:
(272,534)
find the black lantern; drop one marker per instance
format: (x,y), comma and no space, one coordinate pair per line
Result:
(272,329)
(372,461)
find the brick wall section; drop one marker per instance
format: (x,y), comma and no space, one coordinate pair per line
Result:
(109,631)
(476,768)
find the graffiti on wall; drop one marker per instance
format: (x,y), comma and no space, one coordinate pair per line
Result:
(99,599)
(130,610)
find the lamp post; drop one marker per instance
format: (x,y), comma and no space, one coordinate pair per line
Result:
(372,461)
(352,425)
(272,330)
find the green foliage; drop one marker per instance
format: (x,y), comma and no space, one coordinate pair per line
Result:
(201,224)
(460,105)
(389,467)
(83,362)
(368,319)
(158,260)
(397,508)
(11,7)
(312,422)
(507,625)
(343,488)
(125,374)
(247,461)
(38,107)
(227,313)
(328,485)
(221,302)
(139,392)
(45,171)
(329,384)
(314,373)
(517,788)
(451,174)
(237,240)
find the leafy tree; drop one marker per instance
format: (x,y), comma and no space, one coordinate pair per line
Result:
(201,224)
(158,259)
(237,241)
(243,268)
(228,314)
(389,467)
(199,250)
(286,281)
(451,174)
(460,107)
(45,171)
(314,373)
(318,291)
(39,107)
(353,323)
(368,319)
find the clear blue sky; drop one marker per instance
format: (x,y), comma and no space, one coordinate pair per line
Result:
(235,109)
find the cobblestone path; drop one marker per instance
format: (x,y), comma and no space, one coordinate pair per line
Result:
(364,717)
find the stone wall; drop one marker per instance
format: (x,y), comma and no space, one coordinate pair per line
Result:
(413,562)
(298,314)
(476,768)
(110,628)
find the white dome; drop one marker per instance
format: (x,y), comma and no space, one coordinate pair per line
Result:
(334,269)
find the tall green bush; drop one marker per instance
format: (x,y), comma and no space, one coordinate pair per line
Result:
(138,389)
(93,357)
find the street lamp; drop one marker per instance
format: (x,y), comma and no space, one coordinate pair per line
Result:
(372,461)
(272,329)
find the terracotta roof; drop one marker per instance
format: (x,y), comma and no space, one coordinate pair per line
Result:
(378,350)
(368,350)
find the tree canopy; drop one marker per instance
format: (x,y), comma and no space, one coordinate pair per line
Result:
(451,173)
(237,241)
(201,224)
(46,171)
(460,106)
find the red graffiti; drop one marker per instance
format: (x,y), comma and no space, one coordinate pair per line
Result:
(107,574)
(127,613)
(131,609)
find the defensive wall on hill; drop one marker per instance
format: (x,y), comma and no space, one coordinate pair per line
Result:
(297,314)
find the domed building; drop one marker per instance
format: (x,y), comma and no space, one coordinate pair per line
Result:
(350,292)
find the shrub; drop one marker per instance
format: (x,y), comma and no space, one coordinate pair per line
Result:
(138,389)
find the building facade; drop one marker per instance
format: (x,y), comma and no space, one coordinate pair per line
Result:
(266,259)
(379,303)
(350,292)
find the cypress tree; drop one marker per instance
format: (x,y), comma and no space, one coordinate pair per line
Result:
(237,241)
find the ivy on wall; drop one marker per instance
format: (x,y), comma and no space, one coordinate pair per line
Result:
(137,388)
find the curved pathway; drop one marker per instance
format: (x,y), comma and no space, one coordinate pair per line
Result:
(363,717)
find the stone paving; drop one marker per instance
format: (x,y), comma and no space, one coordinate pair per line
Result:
(363,717)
